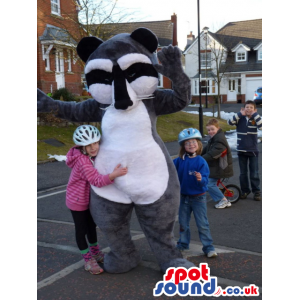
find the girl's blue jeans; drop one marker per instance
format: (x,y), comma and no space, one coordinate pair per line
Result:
(197,205)
(213,190)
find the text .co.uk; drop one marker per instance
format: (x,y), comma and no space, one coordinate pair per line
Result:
(198,282)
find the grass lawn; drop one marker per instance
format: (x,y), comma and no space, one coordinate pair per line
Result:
(168,127)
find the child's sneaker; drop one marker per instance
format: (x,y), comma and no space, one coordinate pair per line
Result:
(257,196)
(211,254)
(244,195)
(92,266)
(99,257)
(223,204)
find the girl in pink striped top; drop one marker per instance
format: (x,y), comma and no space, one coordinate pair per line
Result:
(81,159)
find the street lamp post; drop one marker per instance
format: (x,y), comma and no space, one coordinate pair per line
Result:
(199,62)
(205,29)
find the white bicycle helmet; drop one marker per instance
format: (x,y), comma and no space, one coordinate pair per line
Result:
(189,133)
(85,135)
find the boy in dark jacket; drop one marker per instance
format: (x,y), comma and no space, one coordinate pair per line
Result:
(247,121)
(217,153)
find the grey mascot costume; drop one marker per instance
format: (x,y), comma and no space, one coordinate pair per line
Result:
(122,77)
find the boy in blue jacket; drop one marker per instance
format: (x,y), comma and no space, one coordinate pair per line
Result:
(247,122)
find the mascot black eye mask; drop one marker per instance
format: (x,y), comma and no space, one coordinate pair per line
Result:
(130,68)
(122,76)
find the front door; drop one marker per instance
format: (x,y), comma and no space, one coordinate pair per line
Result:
(59,72)
(231,95)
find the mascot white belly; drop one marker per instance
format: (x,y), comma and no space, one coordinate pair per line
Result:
(127,139)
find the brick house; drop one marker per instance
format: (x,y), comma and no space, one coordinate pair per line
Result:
(234,52)
(57,63)
(166,32)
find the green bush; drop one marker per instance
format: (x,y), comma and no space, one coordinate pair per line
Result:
(65,94)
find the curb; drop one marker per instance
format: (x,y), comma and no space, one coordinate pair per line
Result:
(46,161)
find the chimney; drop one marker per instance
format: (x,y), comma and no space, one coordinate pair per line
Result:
(174,21)
(190,38)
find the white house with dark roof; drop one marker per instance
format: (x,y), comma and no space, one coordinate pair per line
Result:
(234,54)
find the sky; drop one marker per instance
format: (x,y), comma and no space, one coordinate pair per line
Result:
(213,13)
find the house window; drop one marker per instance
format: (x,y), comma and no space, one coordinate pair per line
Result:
(241,56)
(205,84)
(205,60)
(231,86)
(46,57)
(160,81)
(196,87)
(55,7)
(69,61)
(260,54)
(239,86)
(213,88)
(59,61)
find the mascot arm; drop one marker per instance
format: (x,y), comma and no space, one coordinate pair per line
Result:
(87,111)
(170,101)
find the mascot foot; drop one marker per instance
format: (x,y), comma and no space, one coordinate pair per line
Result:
(115,263)
(176,263)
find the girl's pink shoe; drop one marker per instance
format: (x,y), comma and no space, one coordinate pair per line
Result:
(92,266)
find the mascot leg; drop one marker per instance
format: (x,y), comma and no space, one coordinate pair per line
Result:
(113,219)
(157,221)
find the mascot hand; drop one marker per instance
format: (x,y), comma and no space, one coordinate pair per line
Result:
(44,103)
(171,67)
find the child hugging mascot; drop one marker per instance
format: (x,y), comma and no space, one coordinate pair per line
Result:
(122,77)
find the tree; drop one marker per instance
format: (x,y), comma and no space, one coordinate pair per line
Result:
(93,14)
(221,59)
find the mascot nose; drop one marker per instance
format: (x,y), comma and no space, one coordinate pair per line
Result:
(122,99)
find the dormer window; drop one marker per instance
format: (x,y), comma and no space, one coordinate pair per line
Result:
(260,55)
(258,49)
(241,52)
(241,56)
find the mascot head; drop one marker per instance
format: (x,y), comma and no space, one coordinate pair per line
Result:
(120,71)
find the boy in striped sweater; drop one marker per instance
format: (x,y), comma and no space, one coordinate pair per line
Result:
(81,159)
(247,122)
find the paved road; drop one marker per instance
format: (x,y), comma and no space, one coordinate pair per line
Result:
(236,232)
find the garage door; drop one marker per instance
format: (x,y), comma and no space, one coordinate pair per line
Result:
(252,84)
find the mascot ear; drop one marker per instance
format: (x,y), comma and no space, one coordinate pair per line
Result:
(87,46)
(145,37)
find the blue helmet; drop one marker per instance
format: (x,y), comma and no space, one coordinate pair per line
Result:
(189,133)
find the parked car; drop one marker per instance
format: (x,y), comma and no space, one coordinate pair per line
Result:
(258,96)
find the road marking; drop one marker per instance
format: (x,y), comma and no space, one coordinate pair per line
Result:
(48,195)
(53,188)
(59,247)
(54,221)
(59,275)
